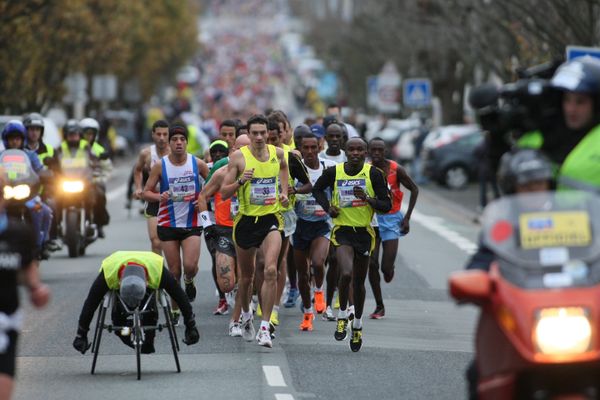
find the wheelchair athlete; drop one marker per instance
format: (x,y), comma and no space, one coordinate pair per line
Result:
(134,274)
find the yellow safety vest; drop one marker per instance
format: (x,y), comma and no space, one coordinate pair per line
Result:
(353,211)
(111,266)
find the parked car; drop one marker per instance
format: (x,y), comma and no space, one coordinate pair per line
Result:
(451,161)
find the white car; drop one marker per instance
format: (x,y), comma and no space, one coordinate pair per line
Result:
(446,134)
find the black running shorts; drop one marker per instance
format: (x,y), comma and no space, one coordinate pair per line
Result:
(167,234)
(221,241)
(362,240)
(250,231)
(151,209)
(8,357)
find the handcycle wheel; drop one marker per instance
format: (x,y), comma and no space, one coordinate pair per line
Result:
(98,333)
(137,337)
(172,334)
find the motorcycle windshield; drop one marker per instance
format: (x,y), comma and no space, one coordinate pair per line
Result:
(17,167)
(545,239)
(75,167)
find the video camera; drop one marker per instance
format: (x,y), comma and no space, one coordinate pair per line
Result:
(522,106)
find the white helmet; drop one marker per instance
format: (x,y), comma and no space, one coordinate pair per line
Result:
(89,123)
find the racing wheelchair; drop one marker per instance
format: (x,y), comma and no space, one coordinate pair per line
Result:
(134,328)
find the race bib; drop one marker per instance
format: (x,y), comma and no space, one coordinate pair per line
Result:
(345,188)
(309,206)
(263,191)
(182,188)
(234,207)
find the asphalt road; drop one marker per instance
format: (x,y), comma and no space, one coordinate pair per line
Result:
(418,351)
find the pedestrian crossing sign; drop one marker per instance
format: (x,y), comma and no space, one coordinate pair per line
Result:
(417,93)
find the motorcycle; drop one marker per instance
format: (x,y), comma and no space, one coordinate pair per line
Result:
(22,186)
(74,195)
(537,335)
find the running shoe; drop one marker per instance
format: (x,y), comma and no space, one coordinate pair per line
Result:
(264,338)
(274,317)
(328,314)
(307,322)
(341,331)
(248,331)
(356,339)
(175,314)
(293,294)
(235,329)
(319,302)
(378,313)
(222,308)
(190,290)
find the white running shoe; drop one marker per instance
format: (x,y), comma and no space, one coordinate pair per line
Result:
(235,329)
(263,337)
(248,331)
(328,314)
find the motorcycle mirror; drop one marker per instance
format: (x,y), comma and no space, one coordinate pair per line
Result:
(470,286)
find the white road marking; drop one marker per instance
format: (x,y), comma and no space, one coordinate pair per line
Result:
(435,224)
(274,375)
(283,396)
(116,193)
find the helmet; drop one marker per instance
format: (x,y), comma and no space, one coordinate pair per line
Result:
(581,75)
(89,123)
(133,285)
(522,167)
(34,120)
(13,127)
(71,126)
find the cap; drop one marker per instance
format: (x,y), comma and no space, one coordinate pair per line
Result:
(219,145)
(317,130)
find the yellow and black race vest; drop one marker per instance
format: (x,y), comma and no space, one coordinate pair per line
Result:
(111,267)
(260,195)
(353,211)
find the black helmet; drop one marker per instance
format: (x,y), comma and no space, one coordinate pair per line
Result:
(34,120)
(581,75)
(522,167)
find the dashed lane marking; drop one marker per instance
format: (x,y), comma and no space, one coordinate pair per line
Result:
(274,376)
(283,396)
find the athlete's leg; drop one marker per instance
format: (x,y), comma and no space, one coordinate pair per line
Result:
(390,250)
(259,274)
(190,247)
(345,258)
(332,276)
(292,271)
(271,247)
(301,262)
(245,261)
(173,257)
(361,267)
(282,264)
(374,277)
(225,272)
(319,249)
(213,258)
(155,242)
(6,386)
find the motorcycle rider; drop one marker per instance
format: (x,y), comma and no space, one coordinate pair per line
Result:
(34,124)
(574,147)
(14,137)
(524,171)
(89,130)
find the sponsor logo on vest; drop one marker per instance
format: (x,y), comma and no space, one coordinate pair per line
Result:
(262,181)
(10,261)
(352,182)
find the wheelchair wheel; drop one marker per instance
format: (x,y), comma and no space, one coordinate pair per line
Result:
(172,336)
(137,337)
(98,332)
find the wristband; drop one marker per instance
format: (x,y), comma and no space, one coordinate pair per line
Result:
(205,217)
(240,182)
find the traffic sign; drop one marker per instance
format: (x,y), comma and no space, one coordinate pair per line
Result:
(372,95)
(417,93)
(580,51)
(388,89)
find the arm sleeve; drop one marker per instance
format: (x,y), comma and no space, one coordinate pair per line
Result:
(97,291)
(383,202)
(297,169)
(172,287)
(326,180)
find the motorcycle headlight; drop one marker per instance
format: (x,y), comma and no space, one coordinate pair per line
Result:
(563,331)
(18,192)
(72,186)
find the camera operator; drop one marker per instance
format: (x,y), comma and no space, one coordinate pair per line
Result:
(574,145)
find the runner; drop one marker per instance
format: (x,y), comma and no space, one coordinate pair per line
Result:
(311,238)
(256,172)
(334,136)
(181,176)
(148,157)
(391,225)
(354,183)
(219,238)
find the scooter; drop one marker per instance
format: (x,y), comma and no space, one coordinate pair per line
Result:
(538,336)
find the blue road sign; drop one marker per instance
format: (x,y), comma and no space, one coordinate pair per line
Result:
(417,93)
(579,51)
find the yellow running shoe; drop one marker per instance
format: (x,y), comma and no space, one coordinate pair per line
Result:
(307,322)
(274,317)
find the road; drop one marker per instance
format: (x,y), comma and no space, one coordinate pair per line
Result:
(418,351)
